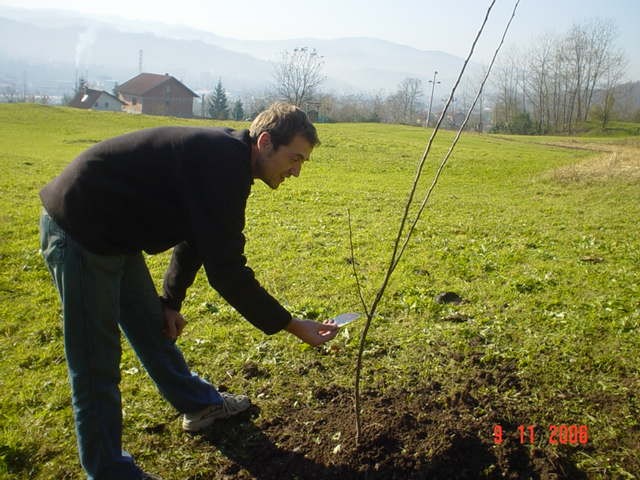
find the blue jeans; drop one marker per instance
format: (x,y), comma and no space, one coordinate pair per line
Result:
(98,294)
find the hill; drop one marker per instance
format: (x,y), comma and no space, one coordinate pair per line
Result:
(52,47)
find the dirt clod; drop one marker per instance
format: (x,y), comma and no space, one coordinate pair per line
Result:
(448,297)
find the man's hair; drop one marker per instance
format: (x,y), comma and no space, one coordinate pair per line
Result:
(283,121)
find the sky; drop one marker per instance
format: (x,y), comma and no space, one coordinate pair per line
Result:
(449,26)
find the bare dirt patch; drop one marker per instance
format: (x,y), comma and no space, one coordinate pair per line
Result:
(432,431)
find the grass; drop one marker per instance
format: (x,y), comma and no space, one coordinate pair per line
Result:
(594,128)
(540,240)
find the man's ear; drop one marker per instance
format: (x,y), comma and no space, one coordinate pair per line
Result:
(264,140)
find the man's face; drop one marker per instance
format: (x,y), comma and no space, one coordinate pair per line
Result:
(273,166)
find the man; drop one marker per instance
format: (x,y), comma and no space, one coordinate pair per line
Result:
(149,191)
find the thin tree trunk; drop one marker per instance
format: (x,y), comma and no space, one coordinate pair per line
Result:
(397,250)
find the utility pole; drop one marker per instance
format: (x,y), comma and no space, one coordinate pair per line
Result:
(453,112)
(433,86)
(480,126)
(524,91)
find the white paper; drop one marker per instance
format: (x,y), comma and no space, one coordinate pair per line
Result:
(345,318)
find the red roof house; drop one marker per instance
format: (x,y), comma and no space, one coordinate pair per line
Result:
(155,94)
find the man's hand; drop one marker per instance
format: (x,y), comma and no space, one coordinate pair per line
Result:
(311,332)
(174,323)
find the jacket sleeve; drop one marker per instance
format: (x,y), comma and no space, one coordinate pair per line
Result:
(184,265)
(216,202)
(229,274)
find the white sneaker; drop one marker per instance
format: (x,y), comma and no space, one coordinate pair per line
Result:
(231,405)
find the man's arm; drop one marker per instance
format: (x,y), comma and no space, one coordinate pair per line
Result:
(184,265)
(183,268)
(230,276)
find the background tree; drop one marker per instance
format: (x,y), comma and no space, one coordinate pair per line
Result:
(255,104)
(238,110)
(540,82)
(392,109)
(402,106)
(469,87)
(9,94)
(351,107)
(298,75)
(409,93)
(615,71)
(507,88)
(560,79)
(218,105)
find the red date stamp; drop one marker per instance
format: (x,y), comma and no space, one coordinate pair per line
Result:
(557,434)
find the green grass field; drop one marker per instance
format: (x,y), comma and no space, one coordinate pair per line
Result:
(541,241)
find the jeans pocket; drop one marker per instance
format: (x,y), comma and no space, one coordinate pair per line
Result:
(53,240)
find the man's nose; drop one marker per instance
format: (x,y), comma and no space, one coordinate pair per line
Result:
(295,170)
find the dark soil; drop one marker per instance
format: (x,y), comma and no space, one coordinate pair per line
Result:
(430,432)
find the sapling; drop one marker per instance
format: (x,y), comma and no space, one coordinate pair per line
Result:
(399,245)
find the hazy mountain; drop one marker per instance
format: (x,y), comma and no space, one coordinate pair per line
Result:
(364,64)
(46,49)
(107,55)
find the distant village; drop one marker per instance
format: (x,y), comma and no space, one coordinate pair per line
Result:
(148,93)
(163,94)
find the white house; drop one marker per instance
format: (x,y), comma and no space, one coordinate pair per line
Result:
(96,100)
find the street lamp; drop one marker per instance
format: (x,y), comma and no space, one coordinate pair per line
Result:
(433,86)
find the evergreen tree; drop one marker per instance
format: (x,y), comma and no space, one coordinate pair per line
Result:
(238,110)
(218,106)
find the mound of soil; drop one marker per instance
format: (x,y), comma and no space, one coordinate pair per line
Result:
(425,433)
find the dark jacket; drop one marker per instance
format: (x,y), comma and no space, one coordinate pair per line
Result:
(163,187)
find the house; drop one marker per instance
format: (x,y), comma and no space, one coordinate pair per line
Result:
(96,100)
(155,94)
